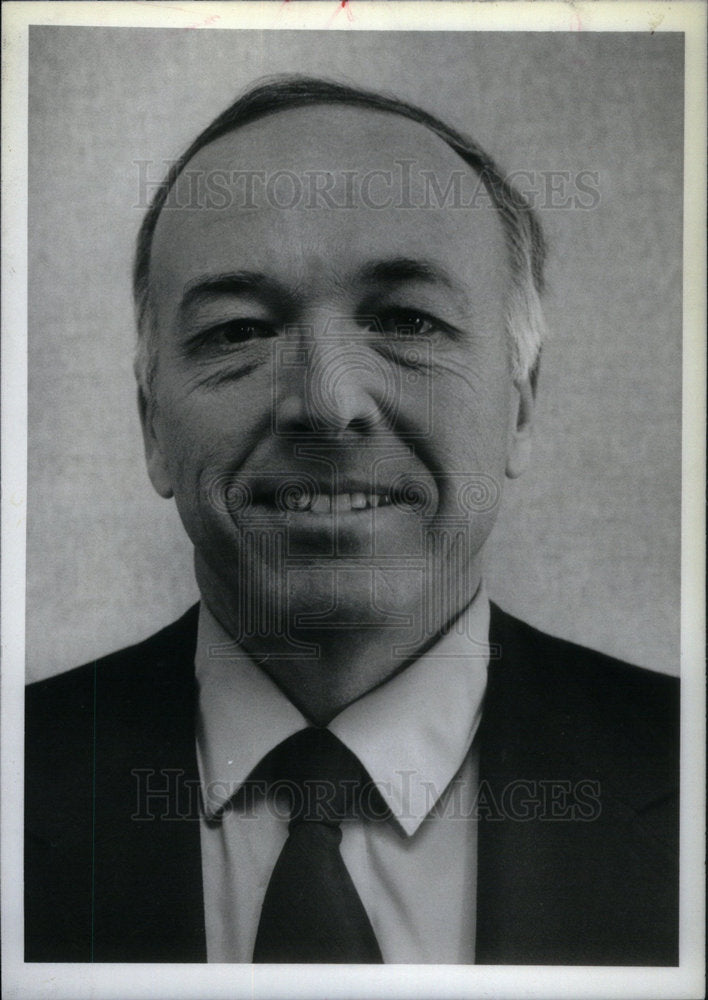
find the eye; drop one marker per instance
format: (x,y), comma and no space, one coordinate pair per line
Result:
(407,322)
(239,331)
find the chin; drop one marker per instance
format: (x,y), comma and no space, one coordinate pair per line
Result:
(354,595)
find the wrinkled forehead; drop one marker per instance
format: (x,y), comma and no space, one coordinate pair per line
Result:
(334,182)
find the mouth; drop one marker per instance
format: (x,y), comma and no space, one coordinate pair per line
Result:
(302,499)
(302,495)
(305,495)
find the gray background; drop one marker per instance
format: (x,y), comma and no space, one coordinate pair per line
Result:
(587,545)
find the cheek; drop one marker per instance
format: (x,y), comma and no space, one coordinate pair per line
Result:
(469,404)
(467,445)
(206,432)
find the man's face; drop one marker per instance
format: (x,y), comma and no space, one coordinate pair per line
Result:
(333,407)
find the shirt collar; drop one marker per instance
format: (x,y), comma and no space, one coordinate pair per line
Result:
(242,714)
(411,733)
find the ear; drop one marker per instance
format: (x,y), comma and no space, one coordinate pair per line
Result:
(521,430)
(154,455)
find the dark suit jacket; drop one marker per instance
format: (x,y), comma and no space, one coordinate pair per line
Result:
(578,831)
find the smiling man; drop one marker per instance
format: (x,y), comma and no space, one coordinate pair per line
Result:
(345,753)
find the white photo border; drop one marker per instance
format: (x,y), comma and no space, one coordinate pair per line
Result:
(50,981)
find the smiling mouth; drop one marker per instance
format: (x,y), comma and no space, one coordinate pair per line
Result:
(299,501)
(300,498)
(304,495)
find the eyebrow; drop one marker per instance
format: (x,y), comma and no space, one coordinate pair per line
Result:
(401,269)
(252,283)
(397,270)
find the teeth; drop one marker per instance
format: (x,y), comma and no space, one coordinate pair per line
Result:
(322,504)
(340,503)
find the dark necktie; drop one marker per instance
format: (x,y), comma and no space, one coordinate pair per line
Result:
(312,911)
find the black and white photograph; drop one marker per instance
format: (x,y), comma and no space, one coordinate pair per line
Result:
(356,616)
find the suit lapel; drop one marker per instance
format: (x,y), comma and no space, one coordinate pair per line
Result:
(148,900)
(569,868)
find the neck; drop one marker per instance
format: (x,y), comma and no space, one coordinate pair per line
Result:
(324,667)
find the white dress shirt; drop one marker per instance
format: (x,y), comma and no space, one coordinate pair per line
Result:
(416,874)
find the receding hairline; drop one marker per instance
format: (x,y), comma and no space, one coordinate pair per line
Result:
(228,159)
(252,126)
(282,95)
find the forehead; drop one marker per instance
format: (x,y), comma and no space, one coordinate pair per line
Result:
(317,194)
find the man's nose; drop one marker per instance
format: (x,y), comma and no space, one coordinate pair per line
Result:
(330,379)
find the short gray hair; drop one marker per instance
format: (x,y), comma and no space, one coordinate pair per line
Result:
(524,236)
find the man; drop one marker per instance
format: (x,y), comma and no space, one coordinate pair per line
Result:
(339,334)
